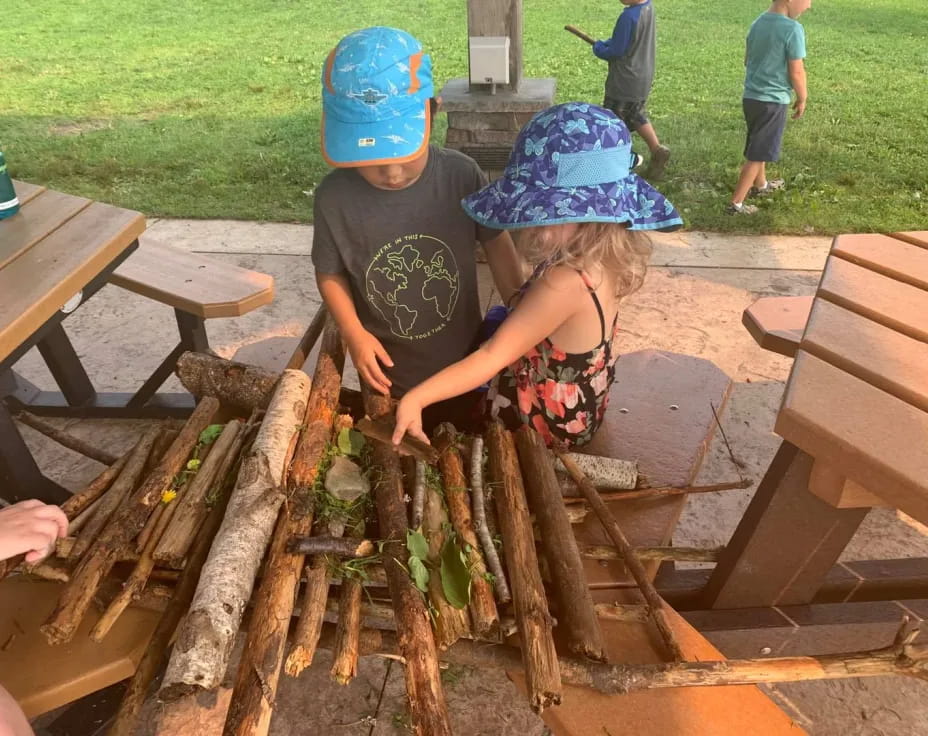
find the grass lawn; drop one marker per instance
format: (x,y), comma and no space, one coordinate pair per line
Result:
(211,109)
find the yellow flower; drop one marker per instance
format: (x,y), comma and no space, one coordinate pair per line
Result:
(169,495)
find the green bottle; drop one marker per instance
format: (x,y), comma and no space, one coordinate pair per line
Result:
(9,204)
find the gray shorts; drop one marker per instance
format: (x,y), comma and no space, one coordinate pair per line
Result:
(631,112)
(766,123)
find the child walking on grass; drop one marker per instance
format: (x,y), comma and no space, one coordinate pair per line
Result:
(581,215)
(630,53)
(774,69)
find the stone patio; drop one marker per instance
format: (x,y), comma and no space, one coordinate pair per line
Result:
(691,303)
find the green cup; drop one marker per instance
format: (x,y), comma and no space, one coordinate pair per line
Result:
(9,203)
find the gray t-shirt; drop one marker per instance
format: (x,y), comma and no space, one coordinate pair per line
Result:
(631,55)
(409,256)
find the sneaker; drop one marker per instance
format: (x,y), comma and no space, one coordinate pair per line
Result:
(637,160)
(740,209)
(658,163)
(773,185)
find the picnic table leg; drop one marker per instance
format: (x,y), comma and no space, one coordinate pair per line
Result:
(66,367)
(20,477)
(786,542)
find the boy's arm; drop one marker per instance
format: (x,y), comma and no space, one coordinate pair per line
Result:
(366,350)
(622,35)
(506,265)
(797,78)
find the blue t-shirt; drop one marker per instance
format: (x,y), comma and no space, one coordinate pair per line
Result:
(773,41)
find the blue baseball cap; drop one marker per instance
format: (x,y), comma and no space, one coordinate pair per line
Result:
(376,87)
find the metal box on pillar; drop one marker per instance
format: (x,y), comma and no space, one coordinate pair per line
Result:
(487,109)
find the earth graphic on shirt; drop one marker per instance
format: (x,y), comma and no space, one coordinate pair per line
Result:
(413,283)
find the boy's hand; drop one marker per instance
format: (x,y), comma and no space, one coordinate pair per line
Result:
(30,527)
(367,354)
(409,419)
(799,108)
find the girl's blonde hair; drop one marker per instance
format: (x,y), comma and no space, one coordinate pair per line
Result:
(609,245)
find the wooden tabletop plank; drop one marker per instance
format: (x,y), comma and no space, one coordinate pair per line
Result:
(214,289)
(891,257)
(777,322)
(41,216)
(26,191)
(919,237)
(38,283)
(875,438)
(876,354)
(896,305)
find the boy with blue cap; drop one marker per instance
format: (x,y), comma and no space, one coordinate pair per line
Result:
(393,250)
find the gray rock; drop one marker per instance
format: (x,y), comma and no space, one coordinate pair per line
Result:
(345,480)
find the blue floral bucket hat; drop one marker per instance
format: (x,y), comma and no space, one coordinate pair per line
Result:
(572,163)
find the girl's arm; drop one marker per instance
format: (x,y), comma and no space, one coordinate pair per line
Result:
(548,303)
(506,265)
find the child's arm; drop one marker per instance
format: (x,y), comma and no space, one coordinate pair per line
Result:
(797,78)
(30,527)
(506,265)
(365,349)
(617,46)
(544,307)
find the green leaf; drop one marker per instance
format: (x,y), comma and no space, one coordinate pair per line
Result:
(455,577)
(193,464)
(419,574)
(350,442)
(417,544)
(209,435)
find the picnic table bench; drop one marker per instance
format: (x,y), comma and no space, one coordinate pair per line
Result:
(56,254)
(854,421)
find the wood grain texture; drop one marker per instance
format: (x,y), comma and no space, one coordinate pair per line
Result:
(36,220)
(889,256)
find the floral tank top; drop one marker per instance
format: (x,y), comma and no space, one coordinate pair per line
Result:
(563,396)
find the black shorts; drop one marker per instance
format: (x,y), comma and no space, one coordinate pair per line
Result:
(766,123)
(631,112)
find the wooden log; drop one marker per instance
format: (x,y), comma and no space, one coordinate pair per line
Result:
(246,387)
(482,525)
(345,547)
(117,536)
(655,602)
(193,503)
(427,707)
(309,624)
(571,491)
(156,654)
(656,554)
(82,500)
(121,489)
(205,639)
(575,615)
(542,677)
(305,346)
(382,430)
(82,519)
(348,630)
(417,493)
(450,623)
(606,473)
(164,441)
(259,670)
(66,440)
(483,613)
(582,35)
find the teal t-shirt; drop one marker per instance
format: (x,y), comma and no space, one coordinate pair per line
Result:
(773,40)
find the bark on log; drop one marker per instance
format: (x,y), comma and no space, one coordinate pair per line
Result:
(193,503)
(82,500)
(164,441)
(482,516)
(156,654)
(66,440)
(243,386)
(535,625)
(604,472)
(117,536)
(259,669)
(450,623)
(606,518)
(427,707)
(344,547)
(382,430)
(121,489)
(305,346)
(309,624)
(483,613)
(348,630)
(572,494)
(205,640)
(575,615)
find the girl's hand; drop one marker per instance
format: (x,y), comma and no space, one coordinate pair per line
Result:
(31,527)
(409,419)
(367,354)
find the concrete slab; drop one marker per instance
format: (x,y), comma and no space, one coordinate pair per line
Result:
(712,250)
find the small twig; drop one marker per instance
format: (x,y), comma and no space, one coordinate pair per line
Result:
(418,496)
(66,440)
(382,429)
(480,523)
(664,491)
(731,454)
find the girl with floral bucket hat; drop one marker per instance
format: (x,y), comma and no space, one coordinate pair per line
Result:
(581,215)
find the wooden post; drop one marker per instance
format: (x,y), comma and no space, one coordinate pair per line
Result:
(575,613)
(499,18)
(535,625)
(427,707)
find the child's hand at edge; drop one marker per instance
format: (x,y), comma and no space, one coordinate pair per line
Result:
(409,419)
(31,527)
(367,353)
(799,108)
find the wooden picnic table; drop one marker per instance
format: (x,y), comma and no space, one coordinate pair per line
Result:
(854,421)
(57,247)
